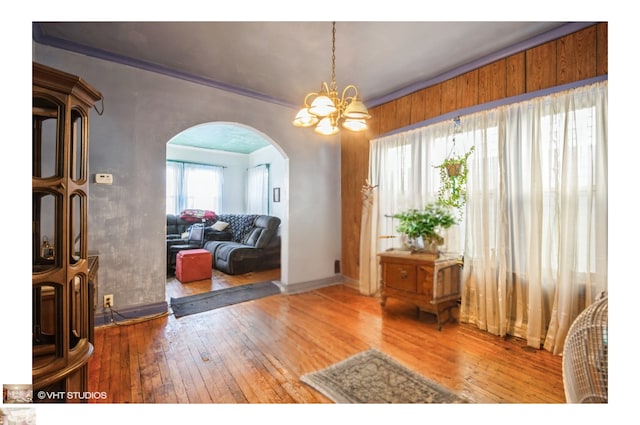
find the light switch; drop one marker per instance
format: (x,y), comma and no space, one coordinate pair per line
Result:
(102,178)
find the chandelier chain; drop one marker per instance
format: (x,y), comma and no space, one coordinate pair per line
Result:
(333,59)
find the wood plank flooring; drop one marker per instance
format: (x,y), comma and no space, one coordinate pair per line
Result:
(255,352)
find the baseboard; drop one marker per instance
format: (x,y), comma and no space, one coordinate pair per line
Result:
(131,313)
(352,283)
(296,288)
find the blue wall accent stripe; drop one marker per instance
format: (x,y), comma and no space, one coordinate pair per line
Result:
(38,37)
(556,33)
(496,103)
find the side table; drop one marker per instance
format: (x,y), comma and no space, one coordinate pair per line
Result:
(431,283)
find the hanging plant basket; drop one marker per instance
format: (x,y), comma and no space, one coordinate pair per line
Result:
(453,180)
(453,169)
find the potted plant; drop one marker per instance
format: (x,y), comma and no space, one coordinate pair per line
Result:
(453,180)
(425,226)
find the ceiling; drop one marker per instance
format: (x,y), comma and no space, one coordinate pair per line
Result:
(227,137)
(281,62)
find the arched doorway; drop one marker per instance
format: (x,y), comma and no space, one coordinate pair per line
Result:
(235,149)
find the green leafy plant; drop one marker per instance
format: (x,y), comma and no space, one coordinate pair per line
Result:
(453,180)
(426,223)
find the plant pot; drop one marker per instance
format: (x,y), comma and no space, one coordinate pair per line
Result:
(411,244)
(453,169)
(420,245)
(432,248)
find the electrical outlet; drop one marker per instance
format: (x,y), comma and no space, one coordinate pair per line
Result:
(107,301)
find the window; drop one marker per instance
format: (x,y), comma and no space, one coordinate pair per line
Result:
(534,234)
(193,186)
(404,167)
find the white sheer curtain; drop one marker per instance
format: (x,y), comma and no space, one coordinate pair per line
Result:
(535,225)
(258,190)
(403,169)
(536,246)
(174,185)
(368,264)
(202,186)
(193,186)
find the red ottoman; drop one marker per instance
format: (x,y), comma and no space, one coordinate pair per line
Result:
(193,264)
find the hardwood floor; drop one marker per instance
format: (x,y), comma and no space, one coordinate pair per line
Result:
(255,352)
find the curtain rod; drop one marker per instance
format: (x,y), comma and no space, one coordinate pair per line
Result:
(491,105)
(196,163)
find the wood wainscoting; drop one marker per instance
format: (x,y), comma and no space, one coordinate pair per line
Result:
(255,352)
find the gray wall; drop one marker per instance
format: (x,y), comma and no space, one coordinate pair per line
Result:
(142,112)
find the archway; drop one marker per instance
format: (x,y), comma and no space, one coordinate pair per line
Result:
(235,148)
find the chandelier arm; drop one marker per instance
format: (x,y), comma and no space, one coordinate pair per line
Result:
(324,89)
(344,93)
(306,98)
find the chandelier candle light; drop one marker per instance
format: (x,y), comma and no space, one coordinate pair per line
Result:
(327,109)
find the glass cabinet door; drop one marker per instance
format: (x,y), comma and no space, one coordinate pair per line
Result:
(47,152)
(47,138)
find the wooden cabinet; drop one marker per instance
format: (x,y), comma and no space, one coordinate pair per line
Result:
(62,313)
(432,284)
(94,264)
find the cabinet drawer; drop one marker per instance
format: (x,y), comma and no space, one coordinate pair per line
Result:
(401,276)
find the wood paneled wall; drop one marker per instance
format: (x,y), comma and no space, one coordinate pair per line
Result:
(574,57)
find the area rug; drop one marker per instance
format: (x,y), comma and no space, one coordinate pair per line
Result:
(199,303)
(374,377)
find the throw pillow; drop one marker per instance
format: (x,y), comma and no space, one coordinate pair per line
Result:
(220,226)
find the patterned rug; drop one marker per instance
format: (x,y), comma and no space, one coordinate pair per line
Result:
(374,377)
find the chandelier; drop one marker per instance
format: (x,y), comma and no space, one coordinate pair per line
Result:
(327,110)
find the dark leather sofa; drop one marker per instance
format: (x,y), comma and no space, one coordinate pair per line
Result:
(178,238)
(177,229)
(249,243)
(255,244)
